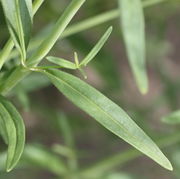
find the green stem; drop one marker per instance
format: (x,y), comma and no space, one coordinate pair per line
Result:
(55,33)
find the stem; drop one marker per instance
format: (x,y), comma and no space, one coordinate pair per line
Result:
(18,74)
(69,142)
(56,32)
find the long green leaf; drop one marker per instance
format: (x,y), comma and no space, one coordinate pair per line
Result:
(5,53)
(18,15)
(19,73)
(39,156)
(3,132)
(107,113)
(97,47)
(56,32)
(14,131)
(61,62)
(132,21)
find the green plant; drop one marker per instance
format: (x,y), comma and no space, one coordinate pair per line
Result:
(19,17)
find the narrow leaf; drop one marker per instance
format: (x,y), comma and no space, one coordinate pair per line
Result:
(40,157)
(11,135)
(97,47)
(15,132)
(56,32)
(18,15)
(61,62)
(107,113)
(3,131)
(132,21)
(173,118)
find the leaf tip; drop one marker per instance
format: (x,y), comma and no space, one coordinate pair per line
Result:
(9,168)
(110,28)
(165,163)
(168,165)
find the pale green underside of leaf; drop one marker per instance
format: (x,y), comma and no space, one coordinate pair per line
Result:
(61,62)
(132,25)
(19,14)
(107,113)
(172,118)
(13,132)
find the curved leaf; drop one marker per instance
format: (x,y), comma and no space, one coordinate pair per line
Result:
(18,15)
(10,131)
(14,131)
(107,113)
(132,24)
(55,32)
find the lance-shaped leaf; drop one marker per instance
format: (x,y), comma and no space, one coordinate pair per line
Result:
(18,15)
(56,32)
(110,115)
(172,118)
(97,47)
(62,62)
(14,130)
(132,24)
(67,64)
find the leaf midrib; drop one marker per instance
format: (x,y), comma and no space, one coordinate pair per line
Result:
(121,126)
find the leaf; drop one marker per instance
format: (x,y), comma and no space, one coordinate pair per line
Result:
(3,131)
(14,130)
(132,24)
(18,15)
(39,156)
(107,113)
(109,69)
(97,47)
(172,118)
(55,32)
(61,62)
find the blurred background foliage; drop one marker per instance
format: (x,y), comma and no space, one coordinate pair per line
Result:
(61,139)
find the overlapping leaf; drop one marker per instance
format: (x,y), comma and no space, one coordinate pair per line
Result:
(107,113)
(18,15)
(132,24)
(55,32)
(13,132)
(67,64)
